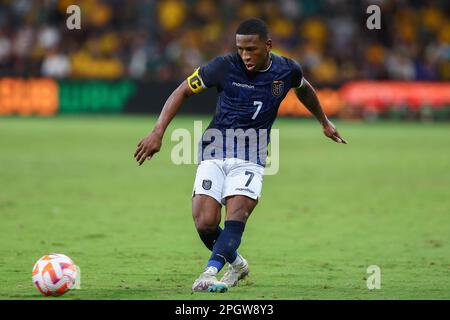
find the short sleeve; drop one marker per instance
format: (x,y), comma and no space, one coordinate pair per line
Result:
(297,74)
(213,72)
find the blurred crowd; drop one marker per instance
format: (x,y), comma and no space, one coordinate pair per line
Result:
(164,40)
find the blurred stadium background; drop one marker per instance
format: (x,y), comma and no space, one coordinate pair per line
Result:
(130,52)
(74,104)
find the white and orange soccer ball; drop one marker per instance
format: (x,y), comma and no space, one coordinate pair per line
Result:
(54,274)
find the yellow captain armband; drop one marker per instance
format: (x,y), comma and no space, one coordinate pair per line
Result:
(195,82)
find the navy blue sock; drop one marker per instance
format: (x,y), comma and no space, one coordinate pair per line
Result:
(226,245)
(209,238)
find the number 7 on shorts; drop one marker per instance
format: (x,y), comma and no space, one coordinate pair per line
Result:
(250,178)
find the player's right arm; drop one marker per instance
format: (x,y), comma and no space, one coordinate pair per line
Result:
(151,144)
(207,76)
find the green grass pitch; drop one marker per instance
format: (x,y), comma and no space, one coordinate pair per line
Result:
(70,185)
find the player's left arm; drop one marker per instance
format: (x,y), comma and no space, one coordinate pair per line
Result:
(307,95)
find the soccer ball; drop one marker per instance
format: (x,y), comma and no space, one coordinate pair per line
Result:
(55,274)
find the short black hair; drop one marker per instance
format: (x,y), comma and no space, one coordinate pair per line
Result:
(253,26)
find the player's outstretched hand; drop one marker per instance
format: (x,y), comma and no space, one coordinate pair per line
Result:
(329,129)
(147,147)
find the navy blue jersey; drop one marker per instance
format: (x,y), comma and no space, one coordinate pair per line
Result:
(246,107)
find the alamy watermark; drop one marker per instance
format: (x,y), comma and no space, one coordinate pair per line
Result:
(374,20)
(74,20)
(374,280)
(250,145)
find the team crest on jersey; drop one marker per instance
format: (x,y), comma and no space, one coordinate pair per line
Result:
(206,184)
(277,88)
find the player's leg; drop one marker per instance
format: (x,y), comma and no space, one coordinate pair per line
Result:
(242,189)
(206,214)
(207,200)
(206,207)
(239,209)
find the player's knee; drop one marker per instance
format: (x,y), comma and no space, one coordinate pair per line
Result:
(205,223)
(205,227)
(239,214)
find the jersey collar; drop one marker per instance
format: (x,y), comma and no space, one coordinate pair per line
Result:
(271,60)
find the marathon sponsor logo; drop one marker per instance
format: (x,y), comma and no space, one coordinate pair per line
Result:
(245,189)
(243,85)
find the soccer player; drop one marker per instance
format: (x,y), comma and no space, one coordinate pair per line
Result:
(251,85)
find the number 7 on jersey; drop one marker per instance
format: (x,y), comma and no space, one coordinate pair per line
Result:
(259,105)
